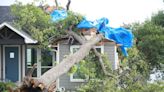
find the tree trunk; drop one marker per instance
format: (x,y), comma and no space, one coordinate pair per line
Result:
(63,67)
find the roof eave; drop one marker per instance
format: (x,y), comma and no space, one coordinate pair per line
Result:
(27,38)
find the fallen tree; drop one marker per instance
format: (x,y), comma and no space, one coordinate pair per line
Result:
(46,83)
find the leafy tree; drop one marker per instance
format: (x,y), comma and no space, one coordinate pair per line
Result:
(158,18)
(133,77)
(34,21)
(150,42)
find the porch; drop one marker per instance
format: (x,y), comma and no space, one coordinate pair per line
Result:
(18,53)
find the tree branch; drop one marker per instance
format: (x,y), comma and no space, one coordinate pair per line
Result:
(58,38)
(68,4)
(76,36)
(56,2)
(102,64)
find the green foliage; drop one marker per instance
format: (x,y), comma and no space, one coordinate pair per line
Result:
(4,86)
(97,85)
(89,66)
(73,69)
(34,21)
(158,18)
(136,62)
(70,21)
(97,81)
(150,41)
(133,78)
(38,23)
(154,87)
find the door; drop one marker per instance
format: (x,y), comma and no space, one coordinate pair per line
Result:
(12,63)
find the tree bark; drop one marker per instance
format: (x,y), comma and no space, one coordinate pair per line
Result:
(63,67)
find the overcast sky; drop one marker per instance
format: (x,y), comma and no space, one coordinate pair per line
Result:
(118,11)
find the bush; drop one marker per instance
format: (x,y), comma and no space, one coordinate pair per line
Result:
(4,86)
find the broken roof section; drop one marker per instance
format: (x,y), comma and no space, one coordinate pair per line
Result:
(119,35)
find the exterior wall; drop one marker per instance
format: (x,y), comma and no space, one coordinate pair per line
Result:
(10,38)
(64,49)
(111,51)
(64,80)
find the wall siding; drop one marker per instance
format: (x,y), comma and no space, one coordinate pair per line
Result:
(64,80)
(110,50)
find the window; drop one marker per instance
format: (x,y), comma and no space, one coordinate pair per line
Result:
(31,60)
(78,77)
(47,61)
(44,64)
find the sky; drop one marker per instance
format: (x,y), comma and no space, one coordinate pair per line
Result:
(117,11)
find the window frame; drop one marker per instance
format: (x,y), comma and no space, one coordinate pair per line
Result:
(31,66)
(38,61)
(47,67)
(71,51)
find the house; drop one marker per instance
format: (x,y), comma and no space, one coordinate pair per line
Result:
(18,52)
(13,45)
(70,82)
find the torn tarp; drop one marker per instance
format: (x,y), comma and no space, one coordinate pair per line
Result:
(98,24)
(86,24)
(101,23)
(58,15)
(119,35)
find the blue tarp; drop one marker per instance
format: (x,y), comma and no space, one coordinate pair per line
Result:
(98,24)
(101,23)
(119,35)
(58,15)
(86,24)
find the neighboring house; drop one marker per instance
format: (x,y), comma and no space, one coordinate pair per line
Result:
(70,82)
(18,52)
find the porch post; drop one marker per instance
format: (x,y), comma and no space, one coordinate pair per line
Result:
(23,60)
(116,62)
(38,62)
(57,59)
(0,64)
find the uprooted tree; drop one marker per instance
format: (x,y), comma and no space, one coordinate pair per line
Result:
(34,20)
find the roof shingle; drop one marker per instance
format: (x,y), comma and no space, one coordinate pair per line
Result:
(5,14)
